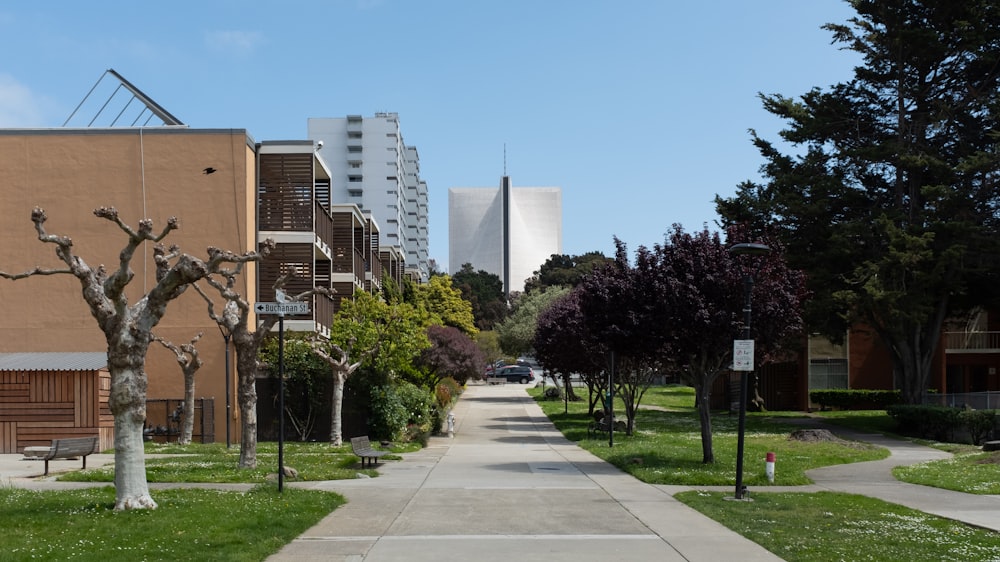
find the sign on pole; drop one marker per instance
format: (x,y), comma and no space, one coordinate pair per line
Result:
(742,355)
(281,308)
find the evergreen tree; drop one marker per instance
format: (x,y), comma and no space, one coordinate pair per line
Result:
(891,203)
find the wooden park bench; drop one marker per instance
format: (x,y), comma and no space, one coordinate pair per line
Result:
(363,449)
(597,426)
(496,380)
(70,448)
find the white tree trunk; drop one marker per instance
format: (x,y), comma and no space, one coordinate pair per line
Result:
(128,405)
(187,421)
(246,399)
(337,411)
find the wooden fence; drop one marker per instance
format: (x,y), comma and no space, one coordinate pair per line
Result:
(39,406)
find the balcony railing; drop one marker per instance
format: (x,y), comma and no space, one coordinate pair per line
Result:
(972,342)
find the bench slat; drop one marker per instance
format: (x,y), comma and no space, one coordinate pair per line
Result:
(362,448)
(71,447)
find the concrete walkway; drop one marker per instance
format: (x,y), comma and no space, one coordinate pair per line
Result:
(509,486)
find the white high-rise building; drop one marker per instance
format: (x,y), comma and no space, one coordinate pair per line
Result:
(373,168)
(508,231)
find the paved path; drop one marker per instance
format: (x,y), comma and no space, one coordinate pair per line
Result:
(509,486)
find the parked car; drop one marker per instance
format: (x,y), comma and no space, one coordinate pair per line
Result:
(515,373)
(491,367)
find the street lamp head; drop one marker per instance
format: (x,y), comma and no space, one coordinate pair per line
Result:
(749,249)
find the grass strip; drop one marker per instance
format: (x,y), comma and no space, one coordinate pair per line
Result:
(833,526)
(666,446)
(215,463)
(189,524)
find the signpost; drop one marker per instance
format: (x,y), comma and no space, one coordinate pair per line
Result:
(281,309)
(742,355)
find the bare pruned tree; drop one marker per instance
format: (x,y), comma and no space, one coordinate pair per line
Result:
(190,362)
(341,366)
(127,328)
(234,321)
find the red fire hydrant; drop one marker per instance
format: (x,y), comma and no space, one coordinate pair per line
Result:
(769,467)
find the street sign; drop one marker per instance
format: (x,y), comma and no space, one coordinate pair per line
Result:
(281,308)
(742,355)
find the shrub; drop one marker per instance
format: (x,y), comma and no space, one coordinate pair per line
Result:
(855,399)
(446,391)
(387,414)
(979,424)
(944,423)
(416,401)
(553,393)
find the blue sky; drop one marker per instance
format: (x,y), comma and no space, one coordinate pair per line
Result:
(638,110)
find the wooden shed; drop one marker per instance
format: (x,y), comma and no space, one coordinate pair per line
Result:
(45,396)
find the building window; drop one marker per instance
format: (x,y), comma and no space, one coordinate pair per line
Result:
(354,134)
(354,192)
(354,149)
(355,164)
(825,374)
(354,179)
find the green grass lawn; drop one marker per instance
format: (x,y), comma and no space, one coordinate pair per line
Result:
(215,463)
(187,525)
(973,473)
(666,446)
(666,449)
(831,526)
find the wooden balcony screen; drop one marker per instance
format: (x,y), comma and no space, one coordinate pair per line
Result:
(286,192)
(323,225)
(283,259)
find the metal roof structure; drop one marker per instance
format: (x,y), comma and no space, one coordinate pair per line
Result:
(117,109)
(55,361)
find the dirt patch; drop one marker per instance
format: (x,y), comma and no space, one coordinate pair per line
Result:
(813,436)
(992,458)
(823,436)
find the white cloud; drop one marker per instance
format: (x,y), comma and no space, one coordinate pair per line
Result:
(235,42)
(18,106)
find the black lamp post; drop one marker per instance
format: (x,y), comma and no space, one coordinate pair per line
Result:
(748,250)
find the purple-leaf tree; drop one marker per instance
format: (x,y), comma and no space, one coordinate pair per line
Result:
(563,345)
(452,354)
(617,311)
(698,289)
(127,328)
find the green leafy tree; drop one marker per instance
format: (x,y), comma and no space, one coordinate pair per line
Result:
(485,291)
(489,343)
(306,381)
(562,270)
(890,203)
(517,332)
(367,330)
(445,305)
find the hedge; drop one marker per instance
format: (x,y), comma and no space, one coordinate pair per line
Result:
(942,423)
(850,399)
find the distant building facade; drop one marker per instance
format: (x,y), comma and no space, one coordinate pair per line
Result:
(508,231)
(373,168)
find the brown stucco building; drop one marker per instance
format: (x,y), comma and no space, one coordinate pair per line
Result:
(227,191)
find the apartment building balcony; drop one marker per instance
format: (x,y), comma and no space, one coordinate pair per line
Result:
(293,210)
(972,342)
(349,249)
